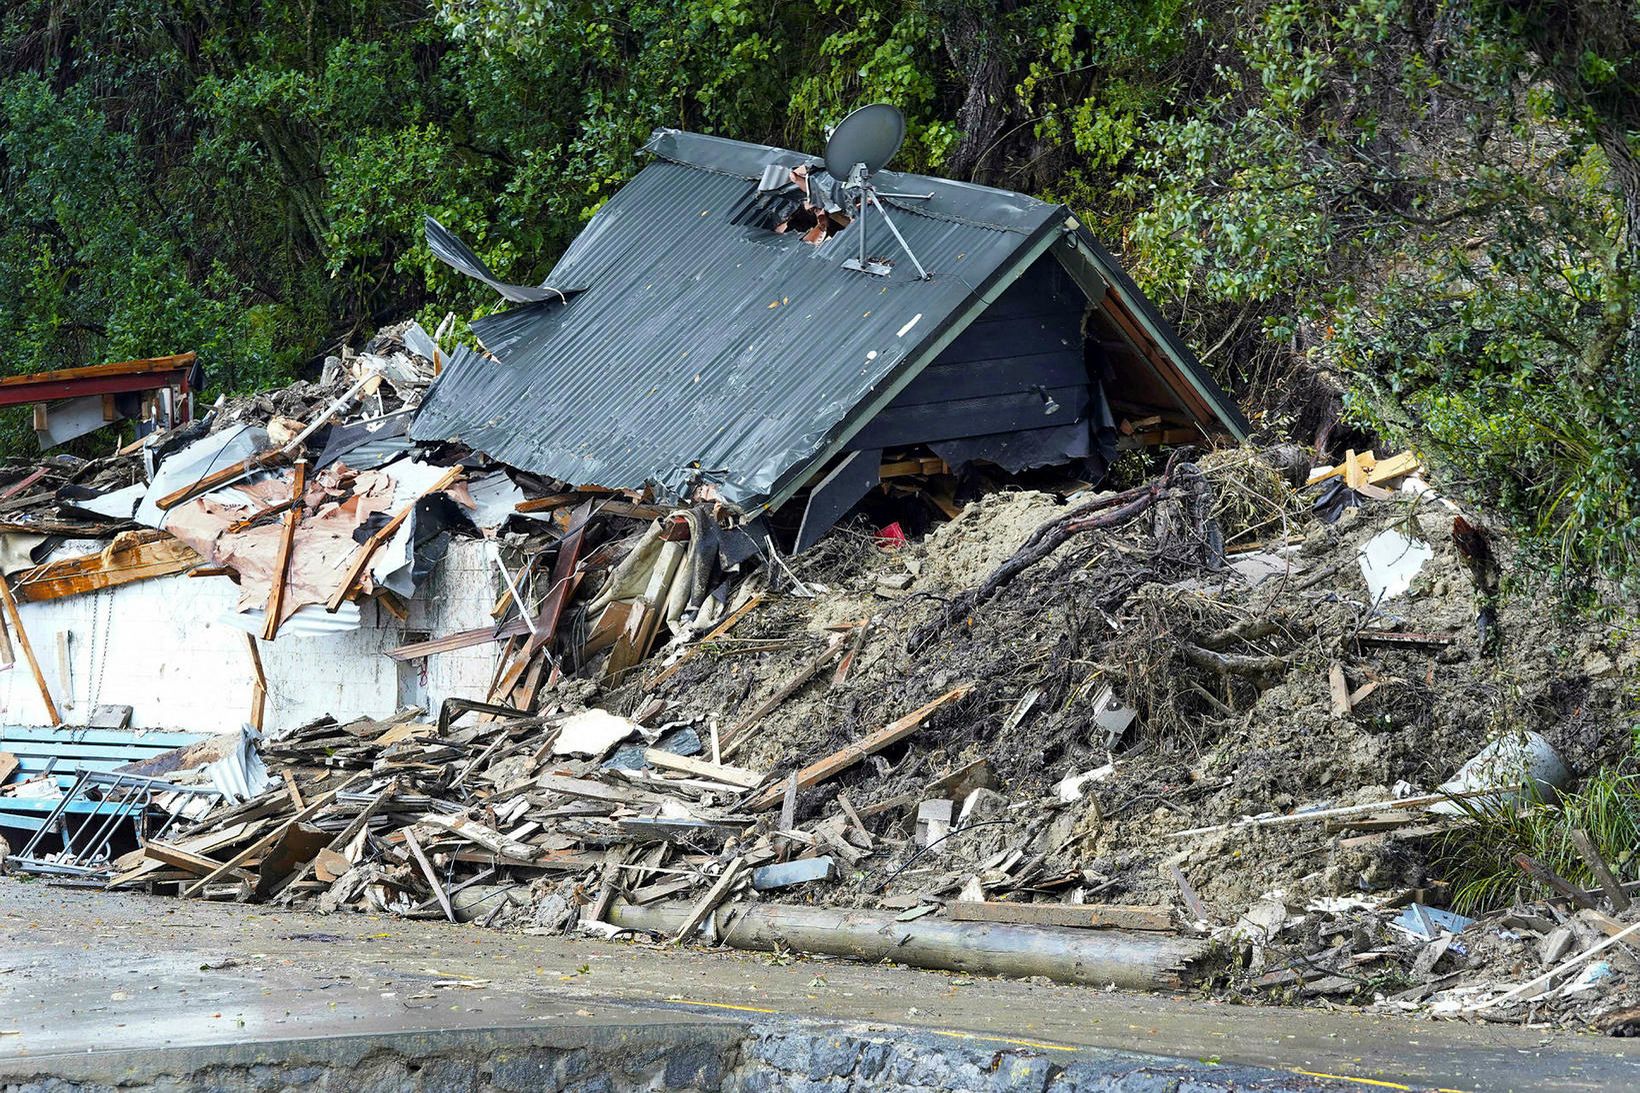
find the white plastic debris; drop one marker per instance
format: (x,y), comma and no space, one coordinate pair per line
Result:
(1510,762)
(240,774)
(592,733)
(1072,787)
(1390,561)
(1110,714)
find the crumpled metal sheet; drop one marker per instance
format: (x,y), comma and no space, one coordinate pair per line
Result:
(367,444)
(704,351)
(458,255)
(220,449)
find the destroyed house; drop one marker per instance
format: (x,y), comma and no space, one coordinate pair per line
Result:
(706,336)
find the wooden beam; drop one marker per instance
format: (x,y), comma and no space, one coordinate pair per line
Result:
(260,461)
(1547,877)
(427,871)
(700,768)
(361,557)
(846,757)
(259,686)
(709,902)
(7,656)
(28,652)
(281,563)
(463,639)
(23,483)
(270,838)
(176,856)
(732,736)
(1590,853)
(1086,915)
(131,556)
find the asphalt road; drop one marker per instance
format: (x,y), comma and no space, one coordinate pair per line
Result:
(90,972)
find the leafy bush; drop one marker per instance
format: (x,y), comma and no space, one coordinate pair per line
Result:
(1432,205)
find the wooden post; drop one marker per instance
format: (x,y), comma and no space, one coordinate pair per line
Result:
(28,652)
(7,656)
(1609,883)
(259,691)
(281,564)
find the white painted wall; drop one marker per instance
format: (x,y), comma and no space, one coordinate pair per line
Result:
(161,647)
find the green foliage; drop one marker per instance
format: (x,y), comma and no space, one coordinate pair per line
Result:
(1434,202)
(1478,857)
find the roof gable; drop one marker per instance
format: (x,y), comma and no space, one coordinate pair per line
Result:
(705,351)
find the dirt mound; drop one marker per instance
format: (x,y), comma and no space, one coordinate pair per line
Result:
(1264,680)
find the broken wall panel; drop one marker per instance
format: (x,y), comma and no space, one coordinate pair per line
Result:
(165,648)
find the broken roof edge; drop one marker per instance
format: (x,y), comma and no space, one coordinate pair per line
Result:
(1084,247)
(1066,239)
(984,206)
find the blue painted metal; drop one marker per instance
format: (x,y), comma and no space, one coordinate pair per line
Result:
(65,752)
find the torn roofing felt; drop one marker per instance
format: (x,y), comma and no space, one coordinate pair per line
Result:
(707,349)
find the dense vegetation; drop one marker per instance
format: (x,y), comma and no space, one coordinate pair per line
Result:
(1432,206)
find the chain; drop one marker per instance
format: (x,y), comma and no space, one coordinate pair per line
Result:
(99,643)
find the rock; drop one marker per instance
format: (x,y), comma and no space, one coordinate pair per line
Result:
(1554,945)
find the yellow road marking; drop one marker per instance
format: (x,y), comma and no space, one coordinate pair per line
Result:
(720,1005)
(1366,1081)
(1002,1040)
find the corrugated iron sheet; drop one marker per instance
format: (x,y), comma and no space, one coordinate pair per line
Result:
(706,351)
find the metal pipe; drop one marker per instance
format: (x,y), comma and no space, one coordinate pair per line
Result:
(1130,959)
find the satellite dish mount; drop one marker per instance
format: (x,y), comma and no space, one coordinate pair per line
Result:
(860,146)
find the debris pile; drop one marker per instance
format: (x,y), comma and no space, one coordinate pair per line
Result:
(1234,703)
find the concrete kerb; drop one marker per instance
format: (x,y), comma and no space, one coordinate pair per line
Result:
(739,1052)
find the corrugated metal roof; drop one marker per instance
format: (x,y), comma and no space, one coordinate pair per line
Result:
(703,350)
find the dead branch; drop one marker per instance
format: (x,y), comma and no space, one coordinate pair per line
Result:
(1106,512)
(1233,664)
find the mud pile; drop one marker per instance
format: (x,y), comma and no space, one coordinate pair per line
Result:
(1231,658)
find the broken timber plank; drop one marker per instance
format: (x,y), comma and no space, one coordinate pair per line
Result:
(479,835)
(1340,688)
(1192,901)
(281,563)
(709,902)
(28,651)
(259,686)
(1396,466)
(427,871)
(138,866)
(463,639)
(1547,877)
(1086,915)
(197,864)
(846,757)
(716,632)
(1597,864)
(269,839)
(131,556)
(361,557)
(732,736)
(7,656)
(717,772)
(234,471)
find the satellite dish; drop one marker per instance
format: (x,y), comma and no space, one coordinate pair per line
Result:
(869,136)
(860,146)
